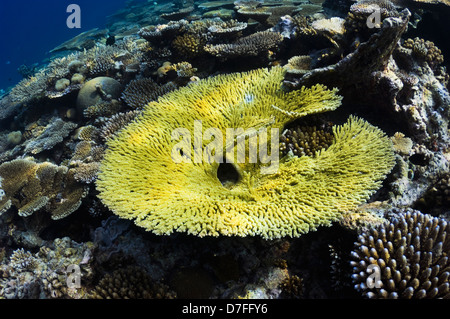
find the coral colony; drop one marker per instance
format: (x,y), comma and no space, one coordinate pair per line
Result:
(232,149)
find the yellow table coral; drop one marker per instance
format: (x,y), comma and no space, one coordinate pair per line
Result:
(140,180)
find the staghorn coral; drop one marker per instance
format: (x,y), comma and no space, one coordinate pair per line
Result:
(140,92)
(251,45)
(411,256)
(31,186)
(425,50)
(305,192)
(130,283)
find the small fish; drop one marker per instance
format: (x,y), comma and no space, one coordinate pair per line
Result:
(8,62)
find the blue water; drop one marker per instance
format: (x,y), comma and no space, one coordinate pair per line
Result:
(30,28)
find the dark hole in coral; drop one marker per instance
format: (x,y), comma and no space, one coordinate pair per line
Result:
(418,159)
(227,174)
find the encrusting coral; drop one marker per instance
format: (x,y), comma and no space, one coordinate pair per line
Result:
(146,177)
(410,254)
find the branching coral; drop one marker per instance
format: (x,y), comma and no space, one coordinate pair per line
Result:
(140,92)
(130,283)
(140,178)
(45,274)
(189,45)
(405,258)
(116,123)
(305,140)
(425,50)
(251,45)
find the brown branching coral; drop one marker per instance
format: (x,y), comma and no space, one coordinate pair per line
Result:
(305,140)
(230,27)
(116,123)
(438,195)
(106,108)
(297,66)
(292,287)
(88,133)
(425,51)
(130,283)
(405,258)
(139,93)
(252,45)
(189,45)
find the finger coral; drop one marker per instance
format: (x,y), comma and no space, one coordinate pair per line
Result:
(139,179)
(405,258)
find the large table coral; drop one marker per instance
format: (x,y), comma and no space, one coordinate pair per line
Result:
(140,180)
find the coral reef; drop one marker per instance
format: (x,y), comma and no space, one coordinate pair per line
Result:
(111,175)
(130,283)
(256,103)
(52,134)
(305,140)
(98,90)
(31,186)
(410,257)
(45,274)
(251,45)
(139,93)
(425,50)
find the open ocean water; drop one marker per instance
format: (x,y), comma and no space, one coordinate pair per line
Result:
(30,28)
